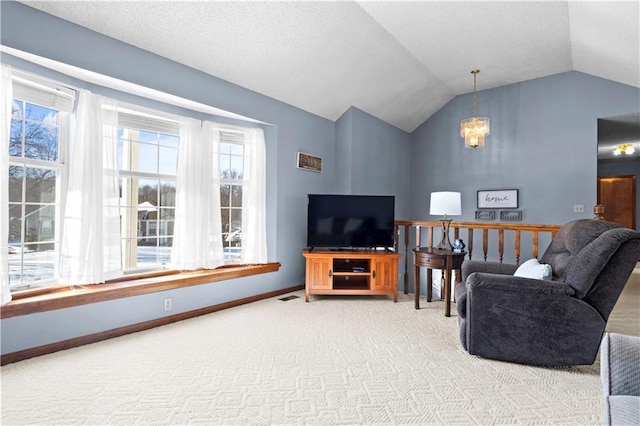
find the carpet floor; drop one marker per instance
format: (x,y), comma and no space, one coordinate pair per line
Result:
(335,360)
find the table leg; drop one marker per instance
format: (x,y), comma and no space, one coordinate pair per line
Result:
(429,285)
(416,287)
(447,288)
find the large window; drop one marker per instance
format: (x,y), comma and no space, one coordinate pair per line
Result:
(41,223)
(147,161)
(38,139)
(231,174)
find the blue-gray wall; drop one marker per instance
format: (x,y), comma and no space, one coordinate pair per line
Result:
(372,158)
(543,142)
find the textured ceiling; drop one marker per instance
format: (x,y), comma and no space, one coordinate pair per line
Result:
(399,61)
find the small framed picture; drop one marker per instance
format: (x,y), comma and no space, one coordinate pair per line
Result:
(498,199)
(309,162)
(485,215)
(511,215)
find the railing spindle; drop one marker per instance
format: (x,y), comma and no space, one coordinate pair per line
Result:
(501,244)
(517,246)
(406,260)
(485,243)
(470,242)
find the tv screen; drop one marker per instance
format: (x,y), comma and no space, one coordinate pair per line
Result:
(350,221)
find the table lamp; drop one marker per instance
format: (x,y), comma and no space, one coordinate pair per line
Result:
(445,203)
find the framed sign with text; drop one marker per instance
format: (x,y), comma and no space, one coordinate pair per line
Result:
(309,162)
(498,199)
(485,215)
(511,215)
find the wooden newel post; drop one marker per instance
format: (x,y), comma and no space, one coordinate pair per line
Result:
(598,211)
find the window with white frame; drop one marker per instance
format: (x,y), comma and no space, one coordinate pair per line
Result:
(37,146)
(148,145)
(147,161)
(231,159)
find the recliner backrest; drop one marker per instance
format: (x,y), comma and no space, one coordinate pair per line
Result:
(581,249)
(587,265)
(610,282)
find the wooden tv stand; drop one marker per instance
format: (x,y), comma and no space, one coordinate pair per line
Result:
(353,272)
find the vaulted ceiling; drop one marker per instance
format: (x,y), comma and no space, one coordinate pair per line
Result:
(399,61)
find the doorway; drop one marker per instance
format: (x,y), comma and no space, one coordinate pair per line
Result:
(618,196)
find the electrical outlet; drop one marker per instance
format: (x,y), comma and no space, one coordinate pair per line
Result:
(578,208)
(167,304)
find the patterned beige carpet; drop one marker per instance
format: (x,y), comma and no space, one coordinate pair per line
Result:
(336,360)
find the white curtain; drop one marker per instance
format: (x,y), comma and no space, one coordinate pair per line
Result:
(90,249)
(111,235)
(5,131)
(254,232)
(197,240)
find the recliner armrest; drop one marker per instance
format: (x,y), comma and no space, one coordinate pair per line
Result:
(504,288)
(512,284)
(471,266)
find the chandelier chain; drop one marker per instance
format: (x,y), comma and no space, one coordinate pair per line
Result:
(475,92)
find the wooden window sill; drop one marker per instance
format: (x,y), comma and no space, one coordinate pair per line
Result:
(30,302)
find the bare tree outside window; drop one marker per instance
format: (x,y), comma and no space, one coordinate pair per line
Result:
(33,170)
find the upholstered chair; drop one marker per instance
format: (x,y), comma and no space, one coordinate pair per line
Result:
(556,321)
(620,377)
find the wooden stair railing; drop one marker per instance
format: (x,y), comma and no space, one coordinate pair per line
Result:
(518,230)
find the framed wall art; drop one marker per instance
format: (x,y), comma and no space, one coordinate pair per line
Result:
(485,215)
(511,215)
(309,162)
(498,199)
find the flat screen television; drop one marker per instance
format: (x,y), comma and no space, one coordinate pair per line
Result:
(350,221)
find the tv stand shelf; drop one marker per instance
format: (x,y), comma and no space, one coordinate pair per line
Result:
(356,272)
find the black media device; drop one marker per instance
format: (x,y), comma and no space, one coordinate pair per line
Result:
(350,221)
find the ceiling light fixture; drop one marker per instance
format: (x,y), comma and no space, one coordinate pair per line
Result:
(625,148)
(474,129)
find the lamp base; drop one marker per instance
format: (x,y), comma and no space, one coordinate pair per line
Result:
(445,244)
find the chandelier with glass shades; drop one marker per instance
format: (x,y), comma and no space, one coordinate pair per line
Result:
(625,148)
(474,129)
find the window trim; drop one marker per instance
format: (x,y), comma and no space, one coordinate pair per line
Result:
(132,122)
(42,91)
(49,94)
(35,301)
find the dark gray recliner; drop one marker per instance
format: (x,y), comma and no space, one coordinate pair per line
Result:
(548,322)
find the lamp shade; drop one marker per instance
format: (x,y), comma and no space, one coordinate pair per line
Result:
(446,203)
